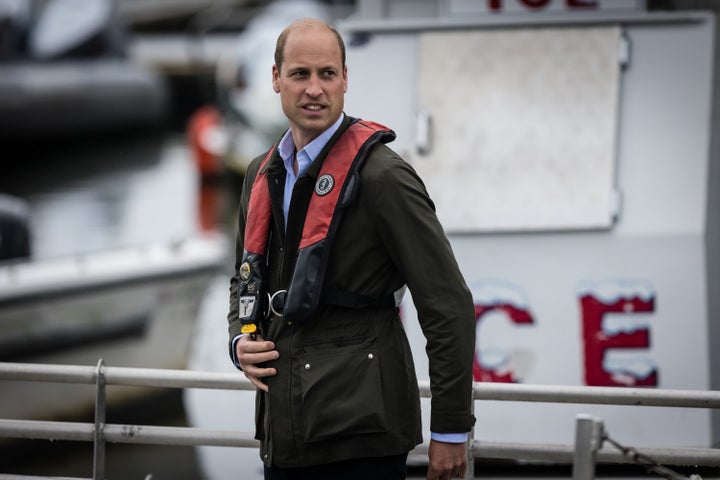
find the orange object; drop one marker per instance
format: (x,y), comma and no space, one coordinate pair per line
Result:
(201,126)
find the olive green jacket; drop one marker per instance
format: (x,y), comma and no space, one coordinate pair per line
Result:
(346,385)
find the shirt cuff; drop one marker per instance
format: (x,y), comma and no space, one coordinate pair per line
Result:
(449,437)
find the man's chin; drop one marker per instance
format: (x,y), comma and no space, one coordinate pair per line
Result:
(314,125)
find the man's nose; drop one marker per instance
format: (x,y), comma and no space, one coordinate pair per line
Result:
(313,88)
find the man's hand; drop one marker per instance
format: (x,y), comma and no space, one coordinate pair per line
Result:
(250,353)
(447,460)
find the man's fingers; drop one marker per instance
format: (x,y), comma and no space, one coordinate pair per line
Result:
(258,345)
(255,381)
(258,372)
(446,460)
(252,353)
(246,345)
(254,358)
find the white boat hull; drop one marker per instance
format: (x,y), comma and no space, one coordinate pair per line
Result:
(144,316)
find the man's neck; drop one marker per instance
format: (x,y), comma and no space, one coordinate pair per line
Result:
(302,142)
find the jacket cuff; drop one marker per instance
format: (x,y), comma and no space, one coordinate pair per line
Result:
(440,423)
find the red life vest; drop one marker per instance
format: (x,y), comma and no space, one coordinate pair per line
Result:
(335,189)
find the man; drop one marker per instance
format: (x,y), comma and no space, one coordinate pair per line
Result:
(332,225)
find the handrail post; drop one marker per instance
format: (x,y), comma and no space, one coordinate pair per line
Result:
(98,436)
(588,440)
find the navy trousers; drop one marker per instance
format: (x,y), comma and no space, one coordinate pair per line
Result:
(373,468)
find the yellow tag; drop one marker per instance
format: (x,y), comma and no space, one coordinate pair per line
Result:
(249,328)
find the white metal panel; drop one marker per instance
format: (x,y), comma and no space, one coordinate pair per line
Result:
(523,126)
(664,139)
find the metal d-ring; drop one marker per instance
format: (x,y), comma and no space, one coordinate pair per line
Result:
(272,302)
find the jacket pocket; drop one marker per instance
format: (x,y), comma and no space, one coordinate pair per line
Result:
(341,394)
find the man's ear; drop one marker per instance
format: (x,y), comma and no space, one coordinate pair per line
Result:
(276,79)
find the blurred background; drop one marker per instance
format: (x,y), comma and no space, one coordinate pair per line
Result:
(571,148)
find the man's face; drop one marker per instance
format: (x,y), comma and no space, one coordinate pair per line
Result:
(311,82)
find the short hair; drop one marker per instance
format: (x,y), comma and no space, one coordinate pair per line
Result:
(282,39)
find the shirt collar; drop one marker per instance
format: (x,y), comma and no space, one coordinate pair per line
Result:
(286,148)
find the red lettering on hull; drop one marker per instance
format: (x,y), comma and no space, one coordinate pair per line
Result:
(502,373)
(497,5)
(597,342)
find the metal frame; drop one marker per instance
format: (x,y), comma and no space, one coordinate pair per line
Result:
(583,454)
(403,25)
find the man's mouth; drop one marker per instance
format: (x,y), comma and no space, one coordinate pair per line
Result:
(313,107)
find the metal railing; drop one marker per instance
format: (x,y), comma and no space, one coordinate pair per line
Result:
(587,450)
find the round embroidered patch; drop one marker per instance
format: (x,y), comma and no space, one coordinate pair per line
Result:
(245,271)
(324,184)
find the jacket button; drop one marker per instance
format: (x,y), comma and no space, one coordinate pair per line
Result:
(370,356)
(307,366)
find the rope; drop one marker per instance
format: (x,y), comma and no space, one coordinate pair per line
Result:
(648,463)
